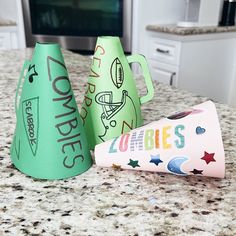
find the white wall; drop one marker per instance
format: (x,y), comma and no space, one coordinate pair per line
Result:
(8,10)
(12,10)
(147,12)
(232,94)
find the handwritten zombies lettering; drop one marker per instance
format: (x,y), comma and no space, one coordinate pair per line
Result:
(150,139)
(67,120)
(91,88)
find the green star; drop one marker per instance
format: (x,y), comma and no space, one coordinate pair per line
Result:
(133,163)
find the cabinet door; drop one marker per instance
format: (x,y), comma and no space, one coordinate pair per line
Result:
(164,73)
(164,50)
(5,40)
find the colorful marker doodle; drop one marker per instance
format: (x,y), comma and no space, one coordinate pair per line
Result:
(165,137)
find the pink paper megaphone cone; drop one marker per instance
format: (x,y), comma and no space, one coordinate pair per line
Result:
(187,143)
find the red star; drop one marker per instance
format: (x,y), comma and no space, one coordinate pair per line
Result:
(208,157)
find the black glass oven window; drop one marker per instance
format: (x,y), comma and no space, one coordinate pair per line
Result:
(77,17)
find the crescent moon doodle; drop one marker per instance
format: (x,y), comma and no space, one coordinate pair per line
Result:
(174,165)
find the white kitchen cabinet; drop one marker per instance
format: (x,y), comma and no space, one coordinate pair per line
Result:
(202,64)
(8,38)
(5,40)
(164,50)
(164,73)
(163,57)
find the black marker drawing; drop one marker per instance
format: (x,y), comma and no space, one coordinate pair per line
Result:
(127,126)
(33,73)
(30,113)
(17,149)
(111,116)
(117,73)
(49,67)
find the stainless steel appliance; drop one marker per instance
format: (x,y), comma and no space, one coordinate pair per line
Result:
(228,13)
(75,24)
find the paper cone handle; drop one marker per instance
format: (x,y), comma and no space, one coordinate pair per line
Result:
(25,66)
(140,59)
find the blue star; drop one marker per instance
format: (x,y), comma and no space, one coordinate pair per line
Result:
(156,159)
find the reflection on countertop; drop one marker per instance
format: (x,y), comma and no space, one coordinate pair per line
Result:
(174,29)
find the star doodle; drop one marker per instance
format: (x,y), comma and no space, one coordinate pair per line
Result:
(208,157)
(133,163)
(196,172)
(116,167)
(156,159)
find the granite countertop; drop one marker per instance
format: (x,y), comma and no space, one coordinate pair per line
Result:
(104,201)
(6,22)
(174,29)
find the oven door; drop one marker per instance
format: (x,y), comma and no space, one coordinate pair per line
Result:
(76,24)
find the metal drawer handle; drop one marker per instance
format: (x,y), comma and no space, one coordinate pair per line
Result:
(172,78)
(163,51)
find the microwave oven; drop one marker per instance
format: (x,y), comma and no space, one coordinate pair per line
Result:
(76,24)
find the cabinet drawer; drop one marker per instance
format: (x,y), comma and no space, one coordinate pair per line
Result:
(163,50)
(5,41)
(164,73)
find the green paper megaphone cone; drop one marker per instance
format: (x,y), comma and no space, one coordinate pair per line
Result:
(111,103)
(49,140)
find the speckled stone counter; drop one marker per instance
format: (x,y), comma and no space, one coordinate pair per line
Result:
(5,22)
(173,29)
(113,202)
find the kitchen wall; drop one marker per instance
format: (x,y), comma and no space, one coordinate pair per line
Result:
(12,10)
(158,12)
(8,10)
(195,7)
(153,12)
